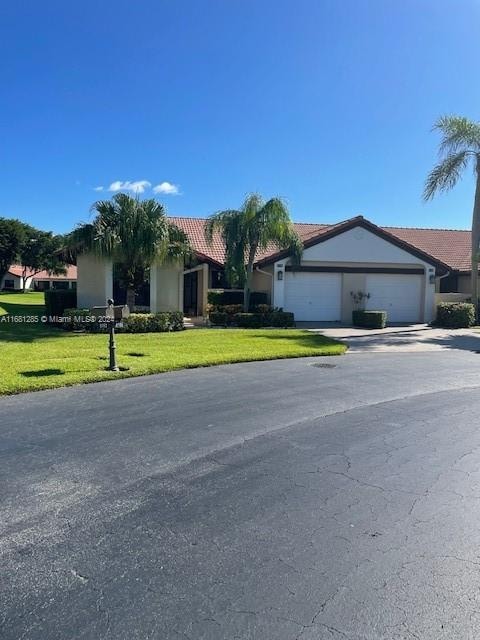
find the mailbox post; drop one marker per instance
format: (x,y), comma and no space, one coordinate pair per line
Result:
(112,347)
(113,316)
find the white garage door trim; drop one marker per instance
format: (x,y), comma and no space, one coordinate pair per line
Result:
(400,295)
(314,296)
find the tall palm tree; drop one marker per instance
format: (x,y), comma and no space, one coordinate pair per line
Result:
(459,147)
(252,228)
(133,234)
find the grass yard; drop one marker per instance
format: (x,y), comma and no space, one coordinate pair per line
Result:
(34,356)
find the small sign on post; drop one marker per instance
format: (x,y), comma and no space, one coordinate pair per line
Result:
(112,317)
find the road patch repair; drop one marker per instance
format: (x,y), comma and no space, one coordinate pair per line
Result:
(406,338)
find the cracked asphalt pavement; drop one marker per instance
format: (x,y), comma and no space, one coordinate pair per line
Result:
(268,501)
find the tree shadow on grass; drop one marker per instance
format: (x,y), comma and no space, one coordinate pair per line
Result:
(23,331)
(41,373)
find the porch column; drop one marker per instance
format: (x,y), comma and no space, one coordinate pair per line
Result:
(166,287)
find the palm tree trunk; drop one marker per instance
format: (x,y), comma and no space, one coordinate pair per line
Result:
(249,279)
(476,239)
(130,298)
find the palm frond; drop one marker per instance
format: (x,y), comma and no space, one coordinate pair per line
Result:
(458,133)
(445,175)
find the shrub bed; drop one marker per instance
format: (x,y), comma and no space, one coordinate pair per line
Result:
(223,298)
(455,315)
(369,319)
(76,319)
(57,300)
(270,318)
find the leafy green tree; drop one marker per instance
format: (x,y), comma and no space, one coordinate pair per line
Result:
(459,148)
(134,234)
(41,251)
(12,236)
(257,225)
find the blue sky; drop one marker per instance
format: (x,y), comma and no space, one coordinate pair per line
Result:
(326,103)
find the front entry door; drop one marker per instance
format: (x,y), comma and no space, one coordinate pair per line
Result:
(190,297)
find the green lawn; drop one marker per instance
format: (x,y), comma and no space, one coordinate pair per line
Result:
(35,356)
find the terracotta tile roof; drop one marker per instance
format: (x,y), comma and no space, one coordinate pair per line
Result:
(16,270)
(195,228)
(451,247)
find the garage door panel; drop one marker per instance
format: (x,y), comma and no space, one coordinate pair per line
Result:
(399,295)
(313,296)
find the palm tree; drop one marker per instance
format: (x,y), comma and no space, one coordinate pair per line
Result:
(133,234)
(252,228)
(459,147)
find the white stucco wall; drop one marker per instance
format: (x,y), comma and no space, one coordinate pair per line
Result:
(359,247)
(94,281)
(166,287)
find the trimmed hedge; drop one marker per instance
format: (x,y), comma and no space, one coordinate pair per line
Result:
(222,298)
(135,323)
(153,322)
(455,315)
(57,300)
(272,318)
(369,319)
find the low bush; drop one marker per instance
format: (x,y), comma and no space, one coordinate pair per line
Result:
(57,300)
(455,315)
(153,322)
(220,318)
(222,298)
(250,320)
(135,323)
(369,319)
(226,298)
(272,318)
(76,319)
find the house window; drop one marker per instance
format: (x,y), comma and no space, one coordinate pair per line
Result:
(8,284)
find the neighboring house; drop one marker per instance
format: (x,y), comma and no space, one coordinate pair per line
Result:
(13,280)
(401,269)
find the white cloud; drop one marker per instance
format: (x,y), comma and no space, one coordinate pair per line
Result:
(138,186)
(167,188)
(98,188)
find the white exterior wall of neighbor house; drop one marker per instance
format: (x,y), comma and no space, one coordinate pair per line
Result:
(357,247)
(17,282)
(166,288)
(94,281)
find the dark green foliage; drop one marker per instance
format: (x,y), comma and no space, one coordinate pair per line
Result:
(135,323)
(221,298)
(41,251)
(153,322)
(220,318)
(258,224)
(256,298)
(57,300)
(455,315)
(272,318)
(76,319)
(250,320)
(12,237)
(225,297)
(369,319)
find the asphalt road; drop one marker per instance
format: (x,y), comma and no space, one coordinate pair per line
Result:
(266,501)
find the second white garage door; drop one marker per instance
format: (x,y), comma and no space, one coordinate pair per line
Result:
(313,296)
(399,295)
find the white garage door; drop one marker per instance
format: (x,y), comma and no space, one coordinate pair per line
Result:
(313,296)
(399,295)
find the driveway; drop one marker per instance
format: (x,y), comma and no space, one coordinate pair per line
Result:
(416,337)
(300,499)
